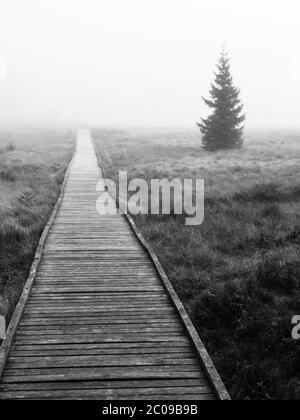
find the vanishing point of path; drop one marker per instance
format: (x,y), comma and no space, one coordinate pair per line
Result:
(99,322)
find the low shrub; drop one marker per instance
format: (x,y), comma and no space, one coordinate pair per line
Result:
(270,192)
(279,275)
(10,147)
(8,175)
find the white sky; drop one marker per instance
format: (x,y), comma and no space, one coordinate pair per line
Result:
(146,62)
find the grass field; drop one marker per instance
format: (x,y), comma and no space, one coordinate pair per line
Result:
(32,167)
(239,273)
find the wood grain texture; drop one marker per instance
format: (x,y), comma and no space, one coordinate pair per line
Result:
(96,320)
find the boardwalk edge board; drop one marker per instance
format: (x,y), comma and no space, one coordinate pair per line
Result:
(201,351)
(8,341)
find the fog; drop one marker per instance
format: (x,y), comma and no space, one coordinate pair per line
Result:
(138,62)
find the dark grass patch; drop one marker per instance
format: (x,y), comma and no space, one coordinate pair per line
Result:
(280,275)
(262,193)
(269,193)
(10,147)
(8,175)
(17,247)
(255,331)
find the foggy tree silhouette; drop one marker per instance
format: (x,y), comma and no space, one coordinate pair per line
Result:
(223,129)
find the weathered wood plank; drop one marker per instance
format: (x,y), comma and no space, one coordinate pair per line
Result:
(95,329)
(101,338)
(21,352)
(164,345)
(100,361)
(105,373)
(115,393)
(105,385)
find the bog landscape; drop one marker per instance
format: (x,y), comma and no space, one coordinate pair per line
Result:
(237,274)
(149,203)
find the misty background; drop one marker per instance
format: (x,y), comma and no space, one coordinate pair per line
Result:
(138,62)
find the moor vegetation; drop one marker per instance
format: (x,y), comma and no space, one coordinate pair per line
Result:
(32,167)
(239,273)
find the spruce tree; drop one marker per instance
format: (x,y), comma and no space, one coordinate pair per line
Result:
(223,129)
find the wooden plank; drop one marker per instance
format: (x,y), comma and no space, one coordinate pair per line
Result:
(40,307)
(95,329)
(105,373)
(115,393)
(110,385)
(96,297)
(194,397)
(164,345)
(104,318)
(101,361)
(22,352)
(118,311)
(96,311)
(101,338)
(98,288)
(56,322)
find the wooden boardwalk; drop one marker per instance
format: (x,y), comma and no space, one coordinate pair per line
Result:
(97,320)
